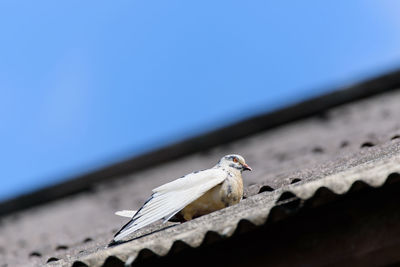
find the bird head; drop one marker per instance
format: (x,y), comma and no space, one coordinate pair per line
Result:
(234,161)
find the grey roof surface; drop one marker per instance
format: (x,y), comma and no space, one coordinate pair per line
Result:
(356,141)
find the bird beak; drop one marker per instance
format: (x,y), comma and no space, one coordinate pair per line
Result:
(246,167)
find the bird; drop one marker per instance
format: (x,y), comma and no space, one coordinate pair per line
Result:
(193,195)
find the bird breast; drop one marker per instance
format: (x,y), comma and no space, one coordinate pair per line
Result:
(228,193)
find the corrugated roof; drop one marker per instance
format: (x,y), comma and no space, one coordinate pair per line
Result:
(356,141)
(254,209)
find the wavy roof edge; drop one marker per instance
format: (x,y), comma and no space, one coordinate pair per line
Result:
(208,140)
(256,210)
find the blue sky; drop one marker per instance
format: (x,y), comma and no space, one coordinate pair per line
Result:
(87,83)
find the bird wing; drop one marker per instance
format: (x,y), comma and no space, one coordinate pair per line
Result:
(170,198)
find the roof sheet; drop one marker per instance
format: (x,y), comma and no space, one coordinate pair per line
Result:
(254,209)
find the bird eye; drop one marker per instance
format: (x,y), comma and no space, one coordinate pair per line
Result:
(235,160)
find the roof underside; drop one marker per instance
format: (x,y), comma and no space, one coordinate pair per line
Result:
(359,141)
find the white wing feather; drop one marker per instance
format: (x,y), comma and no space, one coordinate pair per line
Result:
(170,198)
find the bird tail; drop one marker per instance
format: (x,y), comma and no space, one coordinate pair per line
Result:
(126,213)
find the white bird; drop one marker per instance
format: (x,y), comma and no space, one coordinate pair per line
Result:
(190,196)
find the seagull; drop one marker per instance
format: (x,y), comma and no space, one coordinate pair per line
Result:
(193,195)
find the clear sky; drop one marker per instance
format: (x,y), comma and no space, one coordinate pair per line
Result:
(87,83)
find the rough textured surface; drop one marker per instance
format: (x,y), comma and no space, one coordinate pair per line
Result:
(356,141)
(254,209)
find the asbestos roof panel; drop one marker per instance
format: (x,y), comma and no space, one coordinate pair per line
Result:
(356,141)
(254,209)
